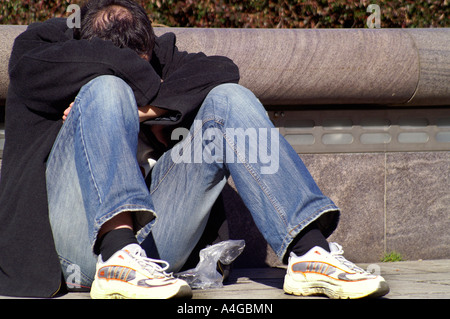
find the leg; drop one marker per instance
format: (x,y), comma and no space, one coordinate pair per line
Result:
(283,198)
(87,186)
(184,194)
(232,135)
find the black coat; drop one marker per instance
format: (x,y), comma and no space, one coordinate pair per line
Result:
(47,69)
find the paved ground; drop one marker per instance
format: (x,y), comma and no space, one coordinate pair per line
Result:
(429,279)
(407,280)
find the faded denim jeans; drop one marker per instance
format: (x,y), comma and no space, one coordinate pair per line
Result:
(92,175)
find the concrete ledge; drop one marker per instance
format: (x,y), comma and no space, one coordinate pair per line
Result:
(407,67)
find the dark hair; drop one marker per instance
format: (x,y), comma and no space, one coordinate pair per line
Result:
(124,22)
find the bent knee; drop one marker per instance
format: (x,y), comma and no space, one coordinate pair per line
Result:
(110,85)
(109,80)
(111,90)
(108,94)
(235,97)
(230,89)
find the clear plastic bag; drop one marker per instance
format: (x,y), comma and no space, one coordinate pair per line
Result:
(205,274)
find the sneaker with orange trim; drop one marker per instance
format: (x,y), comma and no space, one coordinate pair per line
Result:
(129,274)
(320,272)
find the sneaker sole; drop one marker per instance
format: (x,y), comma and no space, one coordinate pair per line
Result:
(184,292)
(332,290)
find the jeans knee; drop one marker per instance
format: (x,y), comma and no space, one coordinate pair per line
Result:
(231,90)
(236,99)
(111,84)
(108,94)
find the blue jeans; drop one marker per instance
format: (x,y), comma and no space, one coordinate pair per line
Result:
(93,175)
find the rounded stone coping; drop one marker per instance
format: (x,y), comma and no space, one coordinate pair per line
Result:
(408,67)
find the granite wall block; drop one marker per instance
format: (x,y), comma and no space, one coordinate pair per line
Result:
(418,205)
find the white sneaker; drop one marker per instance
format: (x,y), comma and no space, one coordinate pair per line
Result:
(329,273)
(130,274)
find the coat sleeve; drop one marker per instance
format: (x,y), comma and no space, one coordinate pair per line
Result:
(49,67)
(187,79)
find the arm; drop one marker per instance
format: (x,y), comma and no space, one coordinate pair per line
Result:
(48,67)
(149,112)
(146,112)
(188,78)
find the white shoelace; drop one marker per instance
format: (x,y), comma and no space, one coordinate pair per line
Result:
(338,252)
(151,265)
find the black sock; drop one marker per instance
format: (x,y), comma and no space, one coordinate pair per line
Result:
(113,241)
(308,238)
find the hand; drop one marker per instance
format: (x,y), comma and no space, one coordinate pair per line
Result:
(66,112)
(149,112)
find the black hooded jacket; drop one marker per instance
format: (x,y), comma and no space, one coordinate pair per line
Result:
(47,68)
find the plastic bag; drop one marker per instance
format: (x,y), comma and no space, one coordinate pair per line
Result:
(205,274)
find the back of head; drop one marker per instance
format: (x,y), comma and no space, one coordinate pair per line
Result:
(124,22)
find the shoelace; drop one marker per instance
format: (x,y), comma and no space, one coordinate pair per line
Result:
(338,254)
(152,265)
